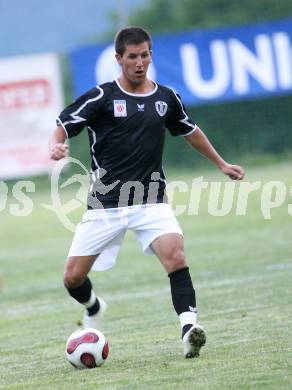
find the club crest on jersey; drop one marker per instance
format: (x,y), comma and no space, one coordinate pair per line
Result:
(120,108)
(161,107)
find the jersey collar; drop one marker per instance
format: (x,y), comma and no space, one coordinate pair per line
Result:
(137,94)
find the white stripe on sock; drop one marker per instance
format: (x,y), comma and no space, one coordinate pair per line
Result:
(187,317)
(91,300)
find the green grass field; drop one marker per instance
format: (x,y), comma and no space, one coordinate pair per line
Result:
(242,270)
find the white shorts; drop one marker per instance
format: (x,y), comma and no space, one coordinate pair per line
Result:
(101,232)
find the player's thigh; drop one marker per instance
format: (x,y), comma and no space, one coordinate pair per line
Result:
(76,269)
(169,248)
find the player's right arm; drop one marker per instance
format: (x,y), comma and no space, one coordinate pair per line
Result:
(72,120)
(58,148)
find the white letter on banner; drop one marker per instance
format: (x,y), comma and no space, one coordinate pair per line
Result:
(283,59)
(259,66)
(107,68)
(205,89)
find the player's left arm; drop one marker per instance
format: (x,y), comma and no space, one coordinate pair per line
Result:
(199,141)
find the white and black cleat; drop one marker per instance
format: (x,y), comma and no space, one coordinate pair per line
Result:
(193,341)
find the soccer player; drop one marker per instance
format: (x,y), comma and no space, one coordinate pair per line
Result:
(126,121)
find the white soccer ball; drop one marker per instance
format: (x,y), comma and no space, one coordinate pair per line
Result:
(87,348)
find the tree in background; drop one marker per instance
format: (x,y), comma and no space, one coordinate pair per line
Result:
(173,15)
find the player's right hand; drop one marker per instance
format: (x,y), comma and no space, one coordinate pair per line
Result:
(59,151)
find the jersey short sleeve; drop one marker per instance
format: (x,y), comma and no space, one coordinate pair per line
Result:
(178,121)
(81,112)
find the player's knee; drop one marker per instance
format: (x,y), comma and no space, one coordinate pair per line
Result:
(179,259)
(176,260)
(72,279)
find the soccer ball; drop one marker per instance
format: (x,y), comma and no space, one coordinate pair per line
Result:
(87,348)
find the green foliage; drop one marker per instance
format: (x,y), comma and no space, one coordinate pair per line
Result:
(173,15)
(239,130)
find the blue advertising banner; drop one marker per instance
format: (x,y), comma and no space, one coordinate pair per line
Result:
(205,66)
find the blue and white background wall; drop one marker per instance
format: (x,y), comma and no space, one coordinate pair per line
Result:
(215,65)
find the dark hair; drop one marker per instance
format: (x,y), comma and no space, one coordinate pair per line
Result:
(131,36)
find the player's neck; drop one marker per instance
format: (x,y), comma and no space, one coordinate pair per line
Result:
(145,86)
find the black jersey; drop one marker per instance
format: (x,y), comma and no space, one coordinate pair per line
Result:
(126,137)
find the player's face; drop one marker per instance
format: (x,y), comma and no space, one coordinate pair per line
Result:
(135,62)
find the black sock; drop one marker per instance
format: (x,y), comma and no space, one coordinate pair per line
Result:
(94,308)
(82,295)
(182,291)
(183,294)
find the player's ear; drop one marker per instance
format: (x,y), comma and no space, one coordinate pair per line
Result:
(118,58)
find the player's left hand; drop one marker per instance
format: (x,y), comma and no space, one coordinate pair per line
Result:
(235,172)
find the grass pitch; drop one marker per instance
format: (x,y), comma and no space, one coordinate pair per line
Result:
(242,270)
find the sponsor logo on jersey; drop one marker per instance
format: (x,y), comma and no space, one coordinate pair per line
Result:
(120,108)
(140,107)
(161,107)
